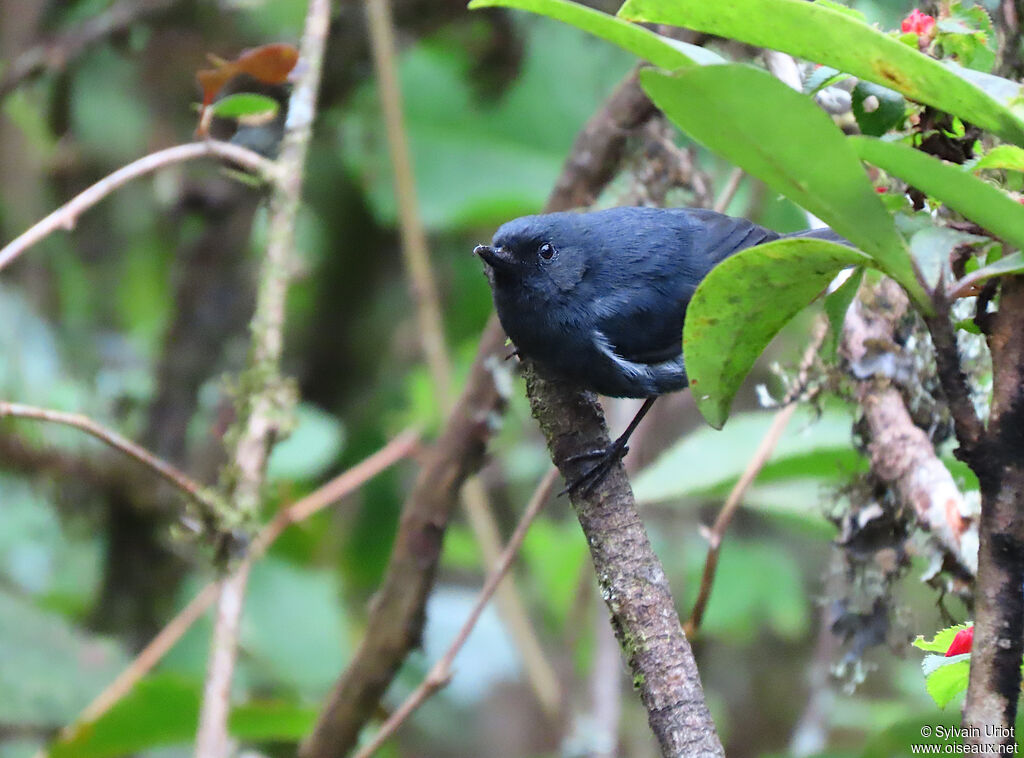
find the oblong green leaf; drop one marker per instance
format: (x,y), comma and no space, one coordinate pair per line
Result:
(244,104)
(791,145)
(661,51)
(1004,157)
(967,194)
(743,303)
(163,710)
(825,35)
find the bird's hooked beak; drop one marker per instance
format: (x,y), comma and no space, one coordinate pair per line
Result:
(496,257)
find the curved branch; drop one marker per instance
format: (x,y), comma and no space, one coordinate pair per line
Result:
(67,215)
(55,54)
(179,479)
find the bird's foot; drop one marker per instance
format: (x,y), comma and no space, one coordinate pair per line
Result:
(606,458)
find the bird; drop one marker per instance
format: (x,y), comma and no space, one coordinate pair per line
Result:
(599,298)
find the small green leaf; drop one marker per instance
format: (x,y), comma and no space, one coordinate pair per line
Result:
(1001,157)
(876,108)
(836,305)
(311,448)
(1011,264)
(825,35)
(821,77)
(948,679)
(743,303)
(792,146)
(661,51)
(244,104)
(977,200)
(941,641)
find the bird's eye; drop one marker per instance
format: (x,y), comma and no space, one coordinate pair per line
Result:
(546,251)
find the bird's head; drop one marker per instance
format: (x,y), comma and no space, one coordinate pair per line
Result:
(541,255)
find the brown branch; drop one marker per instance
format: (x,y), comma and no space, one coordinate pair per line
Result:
(397,614)
(67,215)
(599,147)
(54,55)
(441,672)
(632,579)
(264,397)
(995,678)
(207,503)
(901,454)
(757,462)
(968,426)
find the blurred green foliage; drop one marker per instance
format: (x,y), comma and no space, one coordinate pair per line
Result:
(89,322)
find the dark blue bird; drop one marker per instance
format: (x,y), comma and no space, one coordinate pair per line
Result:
(599,298)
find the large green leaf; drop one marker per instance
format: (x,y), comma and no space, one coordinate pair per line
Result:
(826,35)
(784,139)
(661,51)
(743,303)
(963,192)
(48,669)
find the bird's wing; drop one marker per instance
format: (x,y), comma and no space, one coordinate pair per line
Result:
(641,320)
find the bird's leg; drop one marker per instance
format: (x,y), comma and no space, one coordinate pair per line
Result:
(606,457)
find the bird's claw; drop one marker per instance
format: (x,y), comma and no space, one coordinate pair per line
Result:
(589,479)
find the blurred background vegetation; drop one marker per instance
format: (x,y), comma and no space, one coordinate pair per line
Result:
(137,316)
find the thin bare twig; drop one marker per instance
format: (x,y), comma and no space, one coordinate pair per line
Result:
(345,483)
(268,396)
(441,672)
(55,54)
(331,492)
(67,215)
(416,257)
(148,657)
(732,502)
(414,236)
(178,478)
(729,191)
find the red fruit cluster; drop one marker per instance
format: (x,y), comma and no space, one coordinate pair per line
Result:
(918,23)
